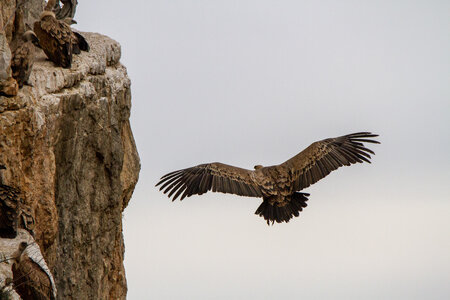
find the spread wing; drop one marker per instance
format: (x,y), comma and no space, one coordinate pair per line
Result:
(217,177)
(322,157)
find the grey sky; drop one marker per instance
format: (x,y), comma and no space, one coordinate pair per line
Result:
(254,82)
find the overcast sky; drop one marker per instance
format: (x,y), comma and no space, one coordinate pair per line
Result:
(255,82)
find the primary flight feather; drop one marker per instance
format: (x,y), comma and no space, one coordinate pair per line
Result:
(278,185)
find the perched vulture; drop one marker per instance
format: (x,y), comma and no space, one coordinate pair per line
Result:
(23,58)
(14,213)
(31,277)
(9,210)
(55,38)
(278,185)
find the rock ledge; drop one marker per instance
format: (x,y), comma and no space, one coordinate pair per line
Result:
(67,143)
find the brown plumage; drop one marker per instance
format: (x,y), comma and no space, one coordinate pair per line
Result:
(79,43)
(9,210)
(278,185)
(23,58)
(55,38)
(30,280)
(14,213)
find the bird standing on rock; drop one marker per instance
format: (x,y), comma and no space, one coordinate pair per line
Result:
(9,209)
(57,39)
(23,58)
(14,213)
(278,185)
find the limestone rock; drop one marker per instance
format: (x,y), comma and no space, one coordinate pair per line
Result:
(5,58)
(68,145)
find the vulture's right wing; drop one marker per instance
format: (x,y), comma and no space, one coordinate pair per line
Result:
(217,177)
(322,157)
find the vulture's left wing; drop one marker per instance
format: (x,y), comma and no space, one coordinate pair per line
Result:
(217,177)
(322,157)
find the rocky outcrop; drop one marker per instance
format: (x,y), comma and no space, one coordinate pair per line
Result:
(67,143)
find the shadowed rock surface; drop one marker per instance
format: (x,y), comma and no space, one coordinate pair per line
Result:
(68,145)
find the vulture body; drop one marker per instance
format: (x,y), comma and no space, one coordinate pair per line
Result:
(31,277)
(23,58)
(55,38)
(278,185)
(13,212)
(9,209)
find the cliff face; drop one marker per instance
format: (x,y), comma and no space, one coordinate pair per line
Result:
(67,143)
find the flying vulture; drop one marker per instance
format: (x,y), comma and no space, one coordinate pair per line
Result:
(278,185)
(23,58)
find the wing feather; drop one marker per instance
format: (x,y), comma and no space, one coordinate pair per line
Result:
(55,39)
(217,177)
(323,157)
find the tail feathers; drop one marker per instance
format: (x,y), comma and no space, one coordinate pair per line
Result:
(272,213)
(82,43)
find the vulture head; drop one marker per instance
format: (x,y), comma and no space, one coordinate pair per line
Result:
(30,36)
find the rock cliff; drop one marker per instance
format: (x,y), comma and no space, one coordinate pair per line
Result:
(68,145)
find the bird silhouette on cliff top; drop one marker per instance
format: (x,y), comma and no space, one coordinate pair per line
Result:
(278,185)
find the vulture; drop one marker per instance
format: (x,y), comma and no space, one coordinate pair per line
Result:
(23,58)
(57,39)
(31,277)
(14,213)
(9,209)
(278,185)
